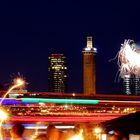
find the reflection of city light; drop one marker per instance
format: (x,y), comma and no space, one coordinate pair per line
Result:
(97,130)
(104,137)
(73,94)
(66,106)
(42,104)
(3,115)
(78,136)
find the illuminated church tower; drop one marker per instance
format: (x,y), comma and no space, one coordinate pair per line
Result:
(89,68)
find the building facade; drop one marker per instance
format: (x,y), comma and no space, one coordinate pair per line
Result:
(89,68)
(131,85)
(57,73)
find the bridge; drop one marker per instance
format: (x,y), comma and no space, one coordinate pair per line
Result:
(60,107)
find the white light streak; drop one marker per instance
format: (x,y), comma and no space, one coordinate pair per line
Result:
(45,127)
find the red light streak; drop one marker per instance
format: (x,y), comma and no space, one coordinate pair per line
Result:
(62,119)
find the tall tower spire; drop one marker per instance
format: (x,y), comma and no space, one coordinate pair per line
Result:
(89,42)
(89,68)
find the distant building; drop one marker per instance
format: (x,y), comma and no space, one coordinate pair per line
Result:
(127,84)
(15,93)
(57,73)
(89,68)
(131,85)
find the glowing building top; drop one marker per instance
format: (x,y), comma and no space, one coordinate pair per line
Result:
(89,46)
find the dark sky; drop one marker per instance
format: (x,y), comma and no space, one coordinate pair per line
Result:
(30,30)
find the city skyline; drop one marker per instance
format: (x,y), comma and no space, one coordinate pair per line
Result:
(30,31)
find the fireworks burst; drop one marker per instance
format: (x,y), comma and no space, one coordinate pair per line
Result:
(129,59)
(17,78)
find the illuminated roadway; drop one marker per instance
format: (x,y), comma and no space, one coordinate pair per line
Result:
(52,107)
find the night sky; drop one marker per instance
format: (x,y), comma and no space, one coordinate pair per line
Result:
(30,30)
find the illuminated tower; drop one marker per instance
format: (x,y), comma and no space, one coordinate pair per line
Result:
(57,73)
(89,68)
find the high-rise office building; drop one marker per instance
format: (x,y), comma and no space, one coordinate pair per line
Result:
(89,68)
(136,81)
(57,73)
(131,85)
(126,84)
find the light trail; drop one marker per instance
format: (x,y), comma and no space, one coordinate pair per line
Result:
(34,126)
(74,101)
(68,101)
(113,101)
(18,82)
(56,100)
(51,100)
(62,118)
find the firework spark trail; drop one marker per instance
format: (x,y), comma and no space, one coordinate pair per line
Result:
(129,59)
(19,82)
